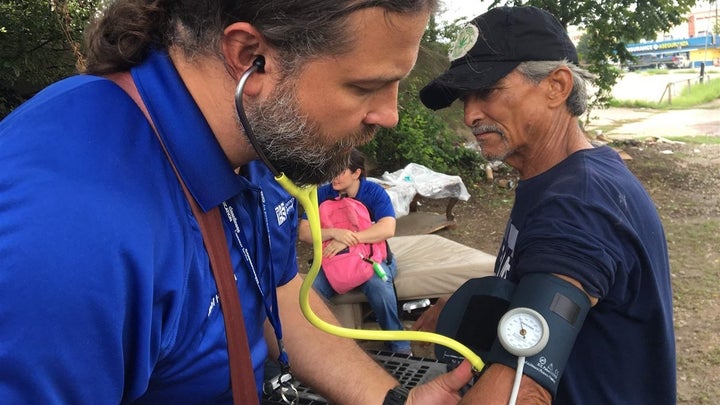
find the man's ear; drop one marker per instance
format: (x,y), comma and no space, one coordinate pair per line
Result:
(241,45)
(560,84)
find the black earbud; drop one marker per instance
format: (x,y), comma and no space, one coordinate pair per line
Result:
(260,63)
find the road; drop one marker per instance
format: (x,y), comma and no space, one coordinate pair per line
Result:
(637,122)
(651,87)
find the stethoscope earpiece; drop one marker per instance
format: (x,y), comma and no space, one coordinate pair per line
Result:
(260,63)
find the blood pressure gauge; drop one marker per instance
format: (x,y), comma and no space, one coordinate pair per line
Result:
(523,332)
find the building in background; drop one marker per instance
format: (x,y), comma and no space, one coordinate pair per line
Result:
(690,44)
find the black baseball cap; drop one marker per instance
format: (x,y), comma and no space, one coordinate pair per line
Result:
(492,45)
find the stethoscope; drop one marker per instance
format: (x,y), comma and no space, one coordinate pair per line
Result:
(307,196)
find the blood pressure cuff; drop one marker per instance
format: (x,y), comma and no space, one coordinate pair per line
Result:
(471,316)
(564,307)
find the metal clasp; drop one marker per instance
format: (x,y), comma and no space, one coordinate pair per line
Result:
(284,384)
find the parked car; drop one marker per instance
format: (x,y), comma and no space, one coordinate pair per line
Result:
(681,61)
(663,61)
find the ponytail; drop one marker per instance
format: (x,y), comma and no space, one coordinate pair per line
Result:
(124,34)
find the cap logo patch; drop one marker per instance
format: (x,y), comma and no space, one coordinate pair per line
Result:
(465,40)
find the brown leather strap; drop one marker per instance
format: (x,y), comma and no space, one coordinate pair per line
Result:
(243,389)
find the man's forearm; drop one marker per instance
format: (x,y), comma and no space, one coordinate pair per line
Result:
(335,367)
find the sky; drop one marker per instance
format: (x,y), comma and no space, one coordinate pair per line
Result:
(467,9)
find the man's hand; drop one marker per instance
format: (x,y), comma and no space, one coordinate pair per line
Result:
(427,322)
(443,389)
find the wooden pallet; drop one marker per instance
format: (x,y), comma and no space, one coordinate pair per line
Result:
(422,222)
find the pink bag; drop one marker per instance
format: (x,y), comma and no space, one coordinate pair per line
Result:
(347,269)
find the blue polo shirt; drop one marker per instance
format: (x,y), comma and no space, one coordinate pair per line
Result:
(106,294)
(372,195)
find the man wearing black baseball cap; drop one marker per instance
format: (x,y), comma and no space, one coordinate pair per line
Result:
(494,44)
(581,222)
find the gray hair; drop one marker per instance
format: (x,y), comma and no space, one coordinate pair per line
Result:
(536,71)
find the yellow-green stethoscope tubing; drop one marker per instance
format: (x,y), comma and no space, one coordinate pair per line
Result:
(307,196)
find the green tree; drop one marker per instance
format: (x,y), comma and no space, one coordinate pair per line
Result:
(39,44)
(583,48)
(425,138)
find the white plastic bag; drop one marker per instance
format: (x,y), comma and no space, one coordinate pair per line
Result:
(402,185)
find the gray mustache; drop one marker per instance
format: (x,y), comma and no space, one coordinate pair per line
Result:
(479,129)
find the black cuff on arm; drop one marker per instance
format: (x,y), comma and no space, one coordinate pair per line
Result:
(564,307)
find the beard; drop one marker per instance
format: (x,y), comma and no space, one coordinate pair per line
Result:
(490,155)
(296,145)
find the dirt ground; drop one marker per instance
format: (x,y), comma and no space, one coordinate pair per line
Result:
(684,182)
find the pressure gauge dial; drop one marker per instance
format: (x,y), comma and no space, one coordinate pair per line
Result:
(523,332)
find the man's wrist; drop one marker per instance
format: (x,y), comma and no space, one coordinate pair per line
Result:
(396,396)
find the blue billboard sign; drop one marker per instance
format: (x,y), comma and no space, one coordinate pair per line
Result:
(672,45)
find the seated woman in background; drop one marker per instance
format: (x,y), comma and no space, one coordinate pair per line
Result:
(351,183)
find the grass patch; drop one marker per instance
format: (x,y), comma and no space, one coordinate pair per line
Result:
(688,245)
(713,357)
(697,140)
(692,96)
(635,104)
(698,94)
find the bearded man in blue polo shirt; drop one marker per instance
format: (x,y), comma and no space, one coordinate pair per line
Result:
(106,295)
